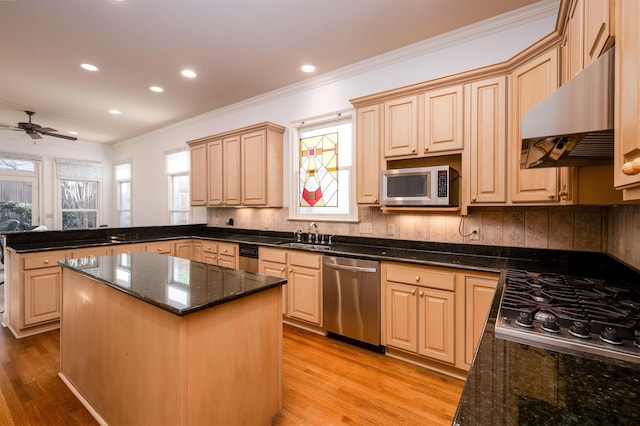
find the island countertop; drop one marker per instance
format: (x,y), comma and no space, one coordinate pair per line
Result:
(177,285)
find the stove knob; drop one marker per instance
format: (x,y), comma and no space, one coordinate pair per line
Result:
(580,329)
(610,335)
(551,325)
(525,319)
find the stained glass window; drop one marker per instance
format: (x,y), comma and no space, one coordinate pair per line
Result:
(323,170)
(319,170)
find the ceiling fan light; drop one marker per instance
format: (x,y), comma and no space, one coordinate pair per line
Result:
(89,67)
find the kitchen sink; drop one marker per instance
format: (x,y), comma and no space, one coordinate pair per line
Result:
(306,246)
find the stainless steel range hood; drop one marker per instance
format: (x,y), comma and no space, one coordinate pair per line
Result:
(574,125)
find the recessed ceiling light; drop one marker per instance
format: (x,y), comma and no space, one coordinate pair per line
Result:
(89,67)
(73,133)
(115,111)
(308,68)
(188,73)
(156,89)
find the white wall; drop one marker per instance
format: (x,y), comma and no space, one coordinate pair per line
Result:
(490,42)
(50,149)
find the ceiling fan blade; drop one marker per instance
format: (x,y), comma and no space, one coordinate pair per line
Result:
(46,129)
(34,135)
(56,135)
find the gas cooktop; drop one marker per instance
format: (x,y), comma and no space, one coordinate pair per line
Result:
(559,311)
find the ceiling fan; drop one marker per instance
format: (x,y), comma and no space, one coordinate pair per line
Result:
(35,130)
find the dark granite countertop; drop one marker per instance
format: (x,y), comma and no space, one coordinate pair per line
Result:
(176,285)
(515,384)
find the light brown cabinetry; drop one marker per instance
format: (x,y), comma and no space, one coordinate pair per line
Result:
(627,99)
(35,285)
(531,83)
(183,249)
(368,168)
(198,175)
(401,127)
(303,271)
(598,28)
(420,310)
(220,254)
(434,313)
(573,51)
(160,247)
(243,167)
(487,144)
(127,248)
(441,120)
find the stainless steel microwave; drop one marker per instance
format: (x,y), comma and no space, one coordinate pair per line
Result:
(420,186)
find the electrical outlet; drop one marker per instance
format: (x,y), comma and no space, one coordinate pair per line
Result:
(475,234)
(391,228)
(366,228)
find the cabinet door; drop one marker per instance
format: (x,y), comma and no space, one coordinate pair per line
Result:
(227,261)
(573,46)
(254,168)
(530,84)
(127,248)
(368,154)
(183,250)
(197,252)
(627,102)
(401,127)
(276,269)
(215,174)
(198,175)
(443,120)
(160,247)
(488,149)
(305,294)
(42,289)
(231,170)
(401,317)
(479,292)
(436,324)
(597,28)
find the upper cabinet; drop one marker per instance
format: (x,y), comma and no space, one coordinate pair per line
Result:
(598,28)
(531,82)
(573,50)
(368,154)
(242,167)
(627,101)
(401,127)
(487,145)
(441,114)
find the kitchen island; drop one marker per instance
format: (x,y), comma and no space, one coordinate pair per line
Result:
(159,340)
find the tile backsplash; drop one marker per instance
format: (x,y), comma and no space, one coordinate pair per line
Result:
(624,234)
(566,228)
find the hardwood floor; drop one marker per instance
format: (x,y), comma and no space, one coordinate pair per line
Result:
(325,382)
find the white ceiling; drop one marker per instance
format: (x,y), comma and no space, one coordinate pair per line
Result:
(239,48)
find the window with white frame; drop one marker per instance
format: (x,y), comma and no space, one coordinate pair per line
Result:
(123,194)
(323,171)
(19,195)
(78,186)
(178,183)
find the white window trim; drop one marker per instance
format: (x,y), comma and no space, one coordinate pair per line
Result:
(117,181)
(57,199)
(169,189)
(293,161)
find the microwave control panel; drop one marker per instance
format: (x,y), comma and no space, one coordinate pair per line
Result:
(443,183)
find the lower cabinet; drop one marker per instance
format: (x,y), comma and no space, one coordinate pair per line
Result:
(302,295)
(220,254)
(435,314)
(42,289)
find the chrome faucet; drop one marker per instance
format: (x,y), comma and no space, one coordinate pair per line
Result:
(316,233)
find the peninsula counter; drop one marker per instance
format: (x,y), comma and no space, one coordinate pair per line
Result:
(158,340)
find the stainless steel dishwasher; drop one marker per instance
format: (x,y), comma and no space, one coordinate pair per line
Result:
(351,300)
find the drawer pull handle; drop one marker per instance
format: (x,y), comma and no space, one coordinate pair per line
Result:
(413,292)
(418,278)
(46,262)
(422,294)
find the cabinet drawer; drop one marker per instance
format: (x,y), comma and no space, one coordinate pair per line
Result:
(210,246)
(88,252)
(308,260)
(273,255)
(424,277)
(227,249)
(43,261)
(163,247)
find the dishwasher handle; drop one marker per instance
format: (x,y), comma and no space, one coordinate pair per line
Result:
(351,268)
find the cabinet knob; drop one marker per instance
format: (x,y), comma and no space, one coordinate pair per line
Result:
(563,194)
(46,262)
(422,294)
(281,269)
(413,150)
(208,247)
(474,198)
(632,167)
(413,292)
(426,149)
(159,249)
(551,196)
(418,278)
(290,270)
(224,250)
